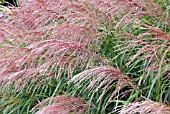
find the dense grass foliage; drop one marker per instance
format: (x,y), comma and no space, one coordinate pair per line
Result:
(85,56)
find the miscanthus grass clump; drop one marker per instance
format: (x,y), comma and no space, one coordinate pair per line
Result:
(85,56)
